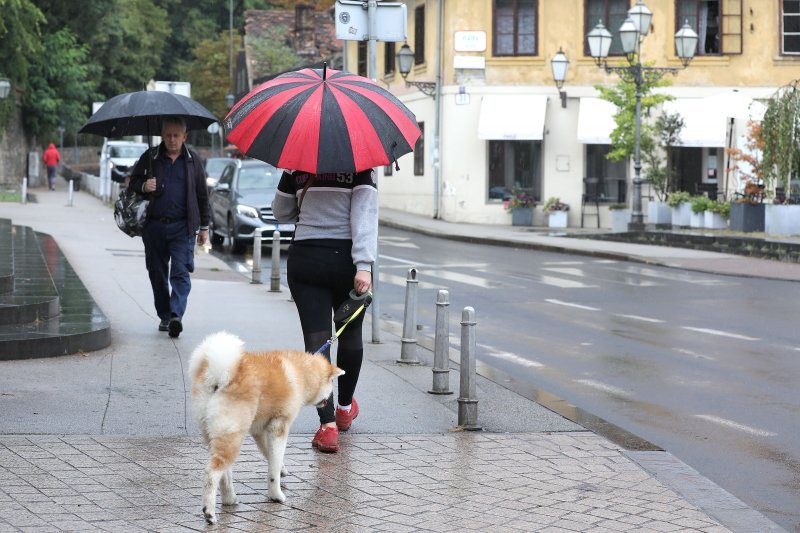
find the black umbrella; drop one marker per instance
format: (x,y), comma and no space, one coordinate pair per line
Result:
(140,113)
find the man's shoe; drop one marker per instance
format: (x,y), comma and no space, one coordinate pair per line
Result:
(163,325)
(326,440)
(175,326)
(345,418)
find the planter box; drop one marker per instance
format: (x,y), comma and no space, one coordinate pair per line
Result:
(747,217)
(681,214)
(557,219)
(522,216)
(659,213)
(782,219)
(697,220)
(714,221)
(620,218)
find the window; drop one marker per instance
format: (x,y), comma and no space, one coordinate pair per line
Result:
(704,18)
(612,13)
(419,152)
(515,165)
(790,27)
(514,27)
(388,58)
(362,58)
(611,175)
(388,170)
(419,35)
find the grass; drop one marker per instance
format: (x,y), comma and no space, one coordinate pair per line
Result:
(10,196)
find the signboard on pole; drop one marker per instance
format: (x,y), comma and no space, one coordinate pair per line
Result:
(184,88)
(352,21)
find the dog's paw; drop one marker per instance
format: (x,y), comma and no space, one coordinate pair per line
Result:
(231,499)
(284,472)
(210,517)
(276,495)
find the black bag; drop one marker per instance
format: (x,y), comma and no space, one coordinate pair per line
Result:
(130,212)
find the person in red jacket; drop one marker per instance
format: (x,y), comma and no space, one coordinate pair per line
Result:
(51,158)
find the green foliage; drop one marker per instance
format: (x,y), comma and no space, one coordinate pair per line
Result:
(700,204)
(272,53)
(519,199)
(720,207)
(554,203)
(20,26)
(209,77)
(780,134)
(617,207)
(659,169)
(59,86)
(676,198)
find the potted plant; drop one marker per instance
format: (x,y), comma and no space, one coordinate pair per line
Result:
(699,205)
(520,205)
(556,212)
(679,201)
(659,167)
(620,217)
(747,212)
(716,214)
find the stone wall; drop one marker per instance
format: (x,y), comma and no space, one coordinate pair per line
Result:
(13,152)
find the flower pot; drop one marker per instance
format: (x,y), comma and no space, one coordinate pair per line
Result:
(522,216)
(697,220)
(782,219)
(659,213)
(681,214)
(747,217)
(620,218)
(557,219)
(714,221)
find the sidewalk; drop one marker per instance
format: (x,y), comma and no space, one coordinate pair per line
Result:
(105,441)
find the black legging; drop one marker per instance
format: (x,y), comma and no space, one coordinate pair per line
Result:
(320,273)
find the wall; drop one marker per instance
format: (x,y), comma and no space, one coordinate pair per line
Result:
(13,153)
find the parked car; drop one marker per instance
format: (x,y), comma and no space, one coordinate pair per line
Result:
(117,158)
(241,203)
(214,168)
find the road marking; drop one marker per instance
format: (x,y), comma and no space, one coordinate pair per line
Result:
(401,281)
(642,318)
(735,425)
(561,283)
(673,276)
(398,244)
(568,304)
(721,333)
(564,262)
(626,280)
(466,279)
(513,358)
(602,386)
(577,272)
(694,354)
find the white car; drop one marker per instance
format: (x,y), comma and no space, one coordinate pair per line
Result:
(117,158)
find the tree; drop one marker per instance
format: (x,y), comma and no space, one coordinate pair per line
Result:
(60,88)
(209,77)
(20,27)
(660,170)
(780,135)
(272,52)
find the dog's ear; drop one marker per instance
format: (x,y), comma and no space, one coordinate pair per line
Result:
(336,372)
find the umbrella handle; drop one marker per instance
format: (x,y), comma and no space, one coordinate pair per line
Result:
(396,166)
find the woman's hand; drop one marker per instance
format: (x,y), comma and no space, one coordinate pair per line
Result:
(363,281)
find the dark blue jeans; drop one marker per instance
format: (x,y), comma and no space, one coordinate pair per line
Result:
(169,257)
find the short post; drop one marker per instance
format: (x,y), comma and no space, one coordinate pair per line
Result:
(256,278)
(69,202)
(441,345)
(467,401)
(275,278)
(24,191)
(408,347)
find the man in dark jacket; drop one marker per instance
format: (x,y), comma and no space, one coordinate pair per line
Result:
(174,179)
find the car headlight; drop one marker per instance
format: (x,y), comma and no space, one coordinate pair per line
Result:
(246,210)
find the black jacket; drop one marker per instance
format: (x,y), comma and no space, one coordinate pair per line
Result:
(197,209)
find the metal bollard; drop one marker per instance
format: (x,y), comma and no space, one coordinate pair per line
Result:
(275,278)
(69,201)
(408,348)
(256,257)
(24,191)
(441,346)
(467,402)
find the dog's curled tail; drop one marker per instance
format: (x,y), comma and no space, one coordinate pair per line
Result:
(221,353)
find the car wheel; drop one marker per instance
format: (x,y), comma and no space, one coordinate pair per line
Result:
(214,237)
(238,246)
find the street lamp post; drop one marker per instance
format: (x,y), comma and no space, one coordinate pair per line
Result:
(405,59)
(632,33)
(560,63)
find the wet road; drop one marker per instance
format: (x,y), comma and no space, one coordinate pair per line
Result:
(703,366)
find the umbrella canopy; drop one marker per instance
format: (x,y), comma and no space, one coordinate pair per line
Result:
(322,120)
(140,113)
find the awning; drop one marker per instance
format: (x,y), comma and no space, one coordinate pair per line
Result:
(596,121)
(517,117)
(706,119)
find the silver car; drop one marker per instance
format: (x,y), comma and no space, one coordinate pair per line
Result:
(241,203)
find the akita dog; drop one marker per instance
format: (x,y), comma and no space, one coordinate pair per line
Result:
(235,392)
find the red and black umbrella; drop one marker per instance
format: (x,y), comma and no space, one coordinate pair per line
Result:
(322,120)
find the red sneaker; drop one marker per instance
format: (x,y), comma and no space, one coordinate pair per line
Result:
(326,440)
(345,418)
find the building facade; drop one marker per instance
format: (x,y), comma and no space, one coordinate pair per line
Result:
(496,121)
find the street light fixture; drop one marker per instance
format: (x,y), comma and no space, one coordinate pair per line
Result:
(560,63)
(229,98)
(5,88)
(405,59)
(632,33)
